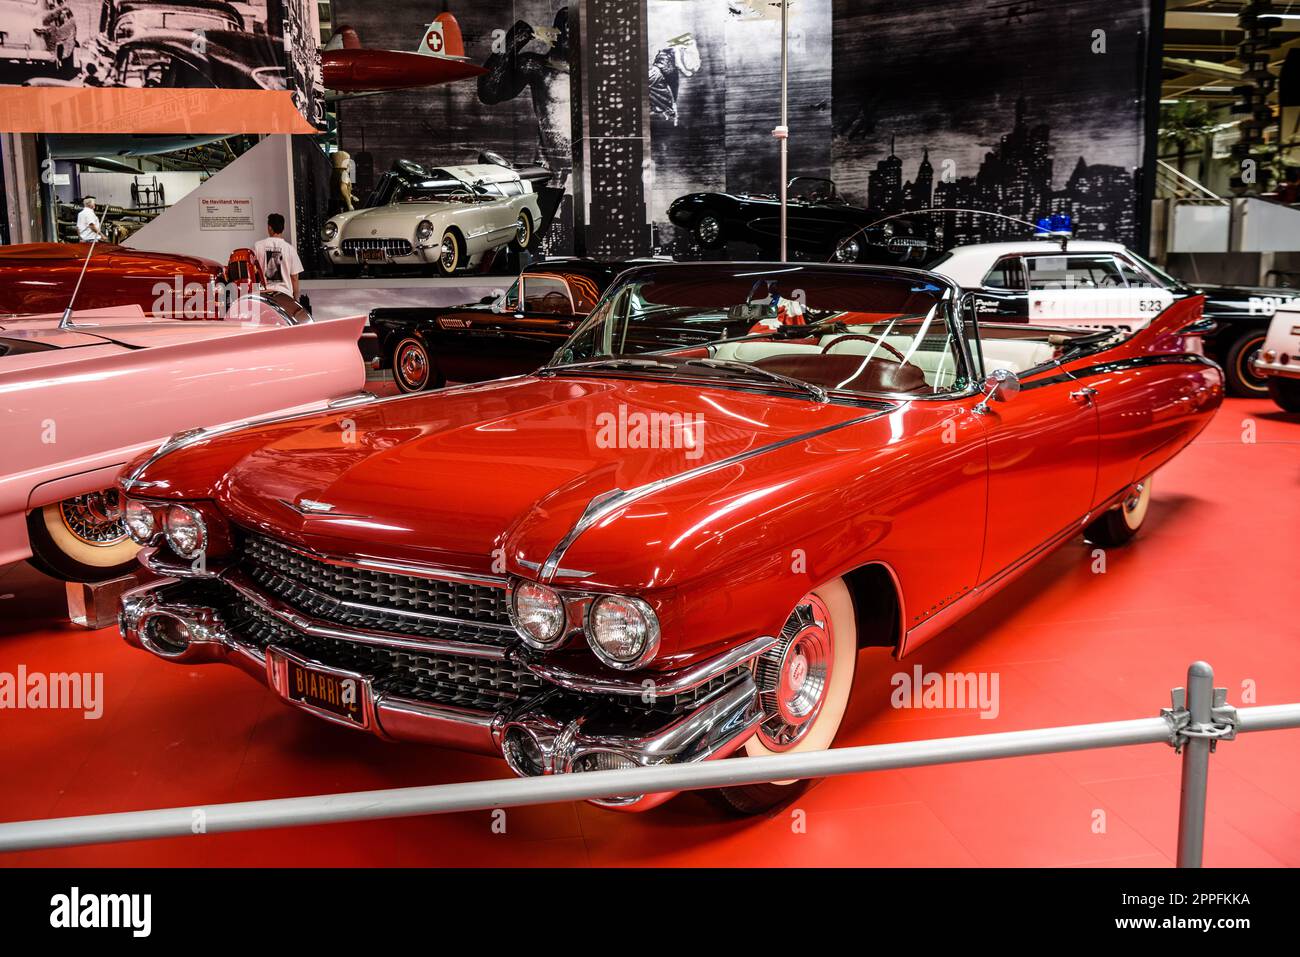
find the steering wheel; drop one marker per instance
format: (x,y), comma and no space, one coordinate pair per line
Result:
(857,335)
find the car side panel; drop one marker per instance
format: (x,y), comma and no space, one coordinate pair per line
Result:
(905,489)
(106,408)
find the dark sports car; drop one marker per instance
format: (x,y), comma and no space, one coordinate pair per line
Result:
(510,334)
(820,225)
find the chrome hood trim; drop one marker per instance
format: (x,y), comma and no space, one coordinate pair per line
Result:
(607,503)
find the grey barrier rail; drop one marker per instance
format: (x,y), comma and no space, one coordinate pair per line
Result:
(1198,718)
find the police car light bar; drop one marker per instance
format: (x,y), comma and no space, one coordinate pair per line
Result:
(1058,226)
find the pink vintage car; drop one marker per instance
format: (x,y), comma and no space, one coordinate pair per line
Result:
(79,401)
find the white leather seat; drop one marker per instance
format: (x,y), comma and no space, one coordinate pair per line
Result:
(1015,355)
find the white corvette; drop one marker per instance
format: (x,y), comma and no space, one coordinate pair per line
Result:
(1278,362)
(451,219)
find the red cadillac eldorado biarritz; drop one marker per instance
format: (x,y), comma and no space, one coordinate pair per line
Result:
(670,543)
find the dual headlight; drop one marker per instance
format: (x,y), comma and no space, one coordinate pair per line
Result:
(183,527)
(329,231)
(622,631)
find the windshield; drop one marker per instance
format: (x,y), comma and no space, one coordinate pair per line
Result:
(830,328)
(441,189)
(1170,282)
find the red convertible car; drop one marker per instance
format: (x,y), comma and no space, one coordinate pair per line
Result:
(671,543)
(37,278)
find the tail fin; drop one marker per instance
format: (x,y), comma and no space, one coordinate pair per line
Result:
(345,38)
(442,38)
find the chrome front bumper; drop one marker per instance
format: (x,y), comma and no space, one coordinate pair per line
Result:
(545,734)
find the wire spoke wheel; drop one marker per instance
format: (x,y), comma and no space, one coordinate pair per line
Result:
(95,518)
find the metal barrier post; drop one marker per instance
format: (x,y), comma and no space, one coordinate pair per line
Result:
(1196,766)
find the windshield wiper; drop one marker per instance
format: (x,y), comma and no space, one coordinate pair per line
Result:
(816,391)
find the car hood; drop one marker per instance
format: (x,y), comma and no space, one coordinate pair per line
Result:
(470,478)
(1244,293)
(397,220)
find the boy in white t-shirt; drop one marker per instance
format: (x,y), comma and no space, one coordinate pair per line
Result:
(279,260)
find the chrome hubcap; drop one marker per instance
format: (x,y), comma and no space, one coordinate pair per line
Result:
(95,518)
(710,229)
(521,230)
(449,252)
(848,252)
(414,365)
(795,674)
(1246,368)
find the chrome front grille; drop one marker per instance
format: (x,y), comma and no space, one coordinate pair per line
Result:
(391,246)
(483,684)
(379,601)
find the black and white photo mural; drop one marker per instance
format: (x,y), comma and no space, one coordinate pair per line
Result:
(164,44)
(715,97)
(519,109)
(1020,107)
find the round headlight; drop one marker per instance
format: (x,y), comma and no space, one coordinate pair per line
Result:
(329,231)
(141,522)
(186,533)
(538,613)
(424,232)
(623,632)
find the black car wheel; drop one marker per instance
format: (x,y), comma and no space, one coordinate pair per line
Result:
(412,366)
(1242,380)
(1286,393)
(708,231)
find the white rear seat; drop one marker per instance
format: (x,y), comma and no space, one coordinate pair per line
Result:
(1015,355)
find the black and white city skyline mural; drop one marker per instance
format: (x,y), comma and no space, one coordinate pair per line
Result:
(1022,108)
(977,105)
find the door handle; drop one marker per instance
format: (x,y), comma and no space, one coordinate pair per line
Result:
(1085,394)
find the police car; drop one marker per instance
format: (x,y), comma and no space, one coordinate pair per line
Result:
(1056,280)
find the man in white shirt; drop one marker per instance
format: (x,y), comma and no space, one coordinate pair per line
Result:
(279,260)
(88,222)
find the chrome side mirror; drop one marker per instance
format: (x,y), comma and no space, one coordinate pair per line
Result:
(1000,384)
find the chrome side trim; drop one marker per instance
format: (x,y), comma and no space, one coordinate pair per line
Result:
(188,437)
(361,397)
(320,629)
(607,503)
(422,616)
(665,685)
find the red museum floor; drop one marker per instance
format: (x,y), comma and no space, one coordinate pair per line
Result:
(1212,576)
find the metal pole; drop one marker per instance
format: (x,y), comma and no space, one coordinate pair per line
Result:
(518,792)
(784,128)
(1196,767)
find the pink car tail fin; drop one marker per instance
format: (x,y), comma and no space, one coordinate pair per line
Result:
(442,38)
